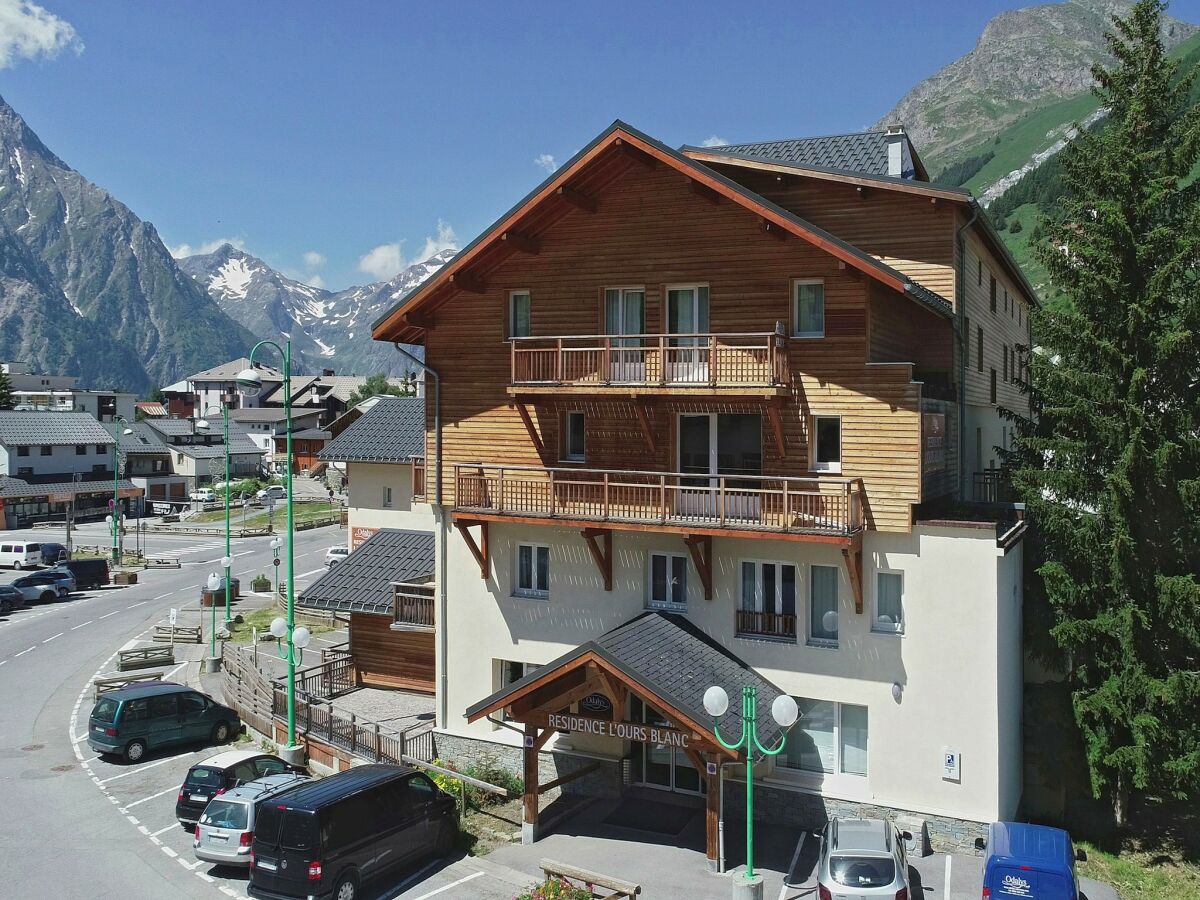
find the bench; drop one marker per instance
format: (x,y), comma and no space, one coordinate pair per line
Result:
(178,634)
(145,658)
(594,881)
(114,682)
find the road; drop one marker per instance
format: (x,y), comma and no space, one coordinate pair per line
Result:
(60,834)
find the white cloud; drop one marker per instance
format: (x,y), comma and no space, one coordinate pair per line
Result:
(546,161)
(314,281)
(28,31)
(382,262)
(181,250)
(314,260)
(713,141)
(446,240)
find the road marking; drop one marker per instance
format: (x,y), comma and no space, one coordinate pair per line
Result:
(167,850)
(144,768)
(82,737)
(163,596)
(174,670)
(136,605)
(129,806)
(946,889)
(113,613)
(174,825)
(82,624)
(792,866)
(52,637)
(452,884)
(23,652)
(3,661)
(313,572)
(244,552)
(191,865)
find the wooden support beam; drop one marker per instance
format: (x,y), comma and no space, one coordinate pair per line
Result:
(522,243)
(774,230)
(465,281)
(862,192)
(775,416)
(578,199)
(419,320)
(703,190)
(480,550)
(602,556)
(645,160)
(712,814)
(616,691)
(534,436)
(700,548)
(550,694)
(639,410)
(852,557)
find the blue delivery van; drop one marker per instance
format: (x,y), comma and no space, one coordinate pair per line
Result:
(1032,861)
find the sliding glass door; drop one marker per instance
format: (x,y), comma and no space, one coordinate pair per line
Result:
(687,316)
(712,444)
(625,314)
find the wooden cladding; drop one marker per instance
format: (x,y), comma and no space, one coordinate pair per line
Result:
(665,360)
(766,624)
(816,506)
(391,659)
(412,605)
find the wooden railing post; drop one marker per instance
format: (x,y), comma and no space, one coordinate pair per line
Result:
(553,498)
(662,359)
(513,360)
(606,362)
(558,358)
(378,757)
(721,505)
(662,490)
(499,487)
(712,360)
(605,507)
(353,733)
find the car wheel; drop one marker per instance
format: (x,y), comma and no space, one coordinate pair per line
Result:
(220,732)
(5,608)
(445,841)
(347,888)
(48,596)
(134,751)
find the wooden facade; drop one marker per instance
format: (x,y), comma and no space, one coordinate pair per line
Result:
(387,658)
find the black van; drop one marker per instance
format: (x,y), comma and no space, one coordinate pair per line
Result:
(89,573)
(325,838)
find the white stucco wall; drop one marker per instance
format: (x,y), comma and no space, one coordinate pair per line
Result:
(63,460)
(985,432)
(946,661)
(366,495)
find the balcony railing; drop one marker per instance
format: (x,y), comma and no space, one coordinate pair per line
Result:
(651,360)
(736,502)
(766,624)
(412,604)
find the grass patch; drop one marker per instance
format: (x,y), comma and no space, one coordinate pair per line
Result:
(1157,857)
(256,518)
(243,632)
(1142,876)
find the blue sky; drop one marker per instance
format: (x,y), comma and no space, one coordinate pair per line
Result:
(332,129)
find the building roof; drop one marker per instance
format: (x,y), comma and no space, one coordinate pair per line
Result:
(260,414)
(228,371)
(11,488)
(150,408)
(363,581)
(311,434)
(174,427)
(673,660)
(862,151)
(238,445)
(51,429)
(393,430)
(144,440)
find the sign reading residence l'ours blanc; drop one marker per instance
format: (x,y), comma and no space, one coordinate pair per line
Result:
(629,731)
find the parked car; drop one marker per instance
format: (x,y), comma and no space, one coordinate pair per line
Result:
(222,772)
(862,858)
(327,838)
(89,573)
(40,588)
(62,576)
(1029,861)
(20,555)
(10,599)
(154,714)
(203,495)
(272,492)
(335,555)
(53,554)
(226,825)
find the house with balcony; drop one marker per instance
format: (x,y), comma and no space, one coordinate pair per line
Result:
(715,415)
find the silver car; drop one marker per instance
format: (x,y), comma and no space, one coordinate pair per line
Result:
(226,827)
(862,859)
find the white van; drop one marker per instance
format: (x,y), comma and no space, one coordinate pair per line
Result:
(20,555)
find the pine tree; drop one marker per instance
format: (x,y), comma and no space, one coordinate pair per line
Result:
(6,395)
(376,385)
(1109,466)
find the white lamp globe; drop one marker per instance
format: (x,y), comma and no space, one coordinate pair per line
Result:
(276,543)
(784,711)
(226,562)
(249,382)
(716,701)
(279,627)
(897,691)
(829,620)
(202,423)
(214,581)
(108,520)
(300,637)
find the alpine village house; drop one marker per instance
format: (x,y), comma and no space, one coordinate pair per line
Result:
(723,416)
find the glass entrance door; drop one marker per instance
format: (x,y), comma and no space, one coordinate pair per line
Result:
(656,766)
(687,316)
(625,314)
(712,444)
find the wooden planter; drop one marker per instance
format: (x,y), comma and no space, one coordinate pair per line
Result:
(124,578)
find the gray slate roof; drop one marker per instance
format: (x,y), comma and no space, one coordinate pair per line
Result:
(228,371)
(144,440)
(393,430)
(863,151)
(51,429)
(238,445)
(271,414)
(363,582)
(675,660)
(174,427)
(17,487)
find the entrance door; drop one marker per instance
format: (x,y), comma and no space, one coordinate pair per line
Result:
(625,313)
(687,315)
(665,768)
(712,444)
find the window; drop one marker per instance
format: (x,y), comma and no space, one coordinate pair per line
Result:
(889,606)
(827,444)
(101,449)
(99,468)
(47,451)
(510,673)
(572,446)
(81,449)
(668,581)
(823,606)
(829,738)
(22,451)
(808,308)
(979,348)
(992,292)
(1005,362)
(533,571)
(768,601)
(993,387)
(518,314)
(1006,308)
(24,471)
(387,497)
(979,272)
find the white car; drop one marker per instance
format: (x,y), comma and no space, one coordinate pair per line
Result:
(273,492)
(203,495)
(335,555)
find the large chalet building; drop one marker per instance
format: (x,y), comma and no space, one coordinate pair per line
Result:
(722,416)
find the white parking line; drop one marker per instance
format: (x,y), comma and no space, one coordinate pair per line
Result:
(52,637)
(313,572)
(145,767)
(163,596)
(169,790)
(113,613)
(452,884)
(82,624)
(946,889)
(174,825)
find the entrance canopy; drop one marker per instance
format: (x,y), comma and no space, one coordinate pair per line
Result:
(660,657)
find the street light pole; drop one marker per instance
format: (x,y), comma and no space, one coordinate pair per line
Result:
(227,562)
(116,515)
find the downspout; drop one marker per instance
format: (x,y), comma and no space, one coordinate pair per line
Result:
(443,711)
(964,343)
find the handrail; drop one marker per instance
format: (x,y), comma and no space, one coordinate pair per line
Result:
(577,470)
(641,336)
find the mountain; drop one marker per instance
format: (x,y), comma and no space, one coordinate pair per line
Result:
(86,287)
(1025,61)
(328,329)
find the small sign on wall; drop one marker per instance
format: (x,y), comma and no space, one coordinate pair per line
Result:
(951,765)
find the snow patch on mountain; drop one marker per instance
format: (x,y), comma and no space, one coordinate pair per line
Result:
(231,281)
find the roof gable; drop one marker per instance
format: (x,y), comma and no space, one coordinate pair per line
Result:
(392,430)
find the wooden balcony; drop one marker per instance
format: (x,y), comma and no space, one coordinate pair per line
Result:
(802,508)
(650,363)
(765,624)
(412,606)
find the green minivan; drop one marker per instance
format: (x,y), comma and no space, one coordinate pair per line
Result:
(153,714)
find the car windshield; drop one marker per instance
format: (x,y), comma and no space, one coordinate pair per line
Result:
(225,814)
(862,871)
(203,775)
(105,710)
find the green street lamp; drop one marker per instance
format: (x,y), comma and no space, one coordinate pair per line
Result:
(784,712)
(203,424)
(213,585)
(116,509)
(249,382)
(276,543)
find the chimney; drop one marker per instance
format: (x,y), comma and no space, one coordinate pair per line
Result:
(895,138)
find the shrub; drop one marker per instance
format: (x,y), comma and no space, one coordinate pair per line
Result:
(261,583)
(555,888)
(1016,227)
(492,773)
